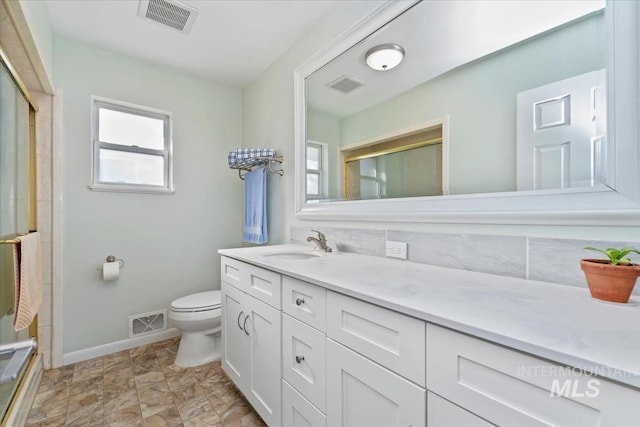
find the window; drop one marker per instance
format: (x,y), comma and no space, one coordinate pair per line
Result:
(316,170)
(131,148)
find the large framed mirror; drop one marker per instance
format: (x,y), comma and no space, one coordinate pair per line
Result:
(506,112)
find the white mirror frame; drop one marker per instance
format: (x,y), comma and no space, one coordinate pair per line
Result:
(580,206)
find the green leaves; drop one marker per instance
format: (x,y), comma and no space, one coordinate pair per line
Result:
(616,256)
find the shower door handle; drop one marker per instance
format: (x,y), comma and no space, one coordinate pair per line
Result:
(20,352)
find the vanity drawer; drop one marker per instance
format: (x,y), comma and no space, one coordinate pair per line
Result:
(304,360)
(305,302)
(297,411)
(263,284)
(231,271)
(442,413)
(394,340)
(507,387)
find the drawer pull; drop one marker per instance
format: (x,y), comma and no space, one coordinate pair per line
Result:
(299,301)
(239,316)
(299,359)
(244,325)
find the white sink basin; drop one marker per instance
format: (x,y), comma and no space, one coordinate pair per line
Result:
(293,254)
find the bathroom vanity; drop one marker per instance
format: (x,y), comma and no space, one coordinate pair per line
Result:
(351,340)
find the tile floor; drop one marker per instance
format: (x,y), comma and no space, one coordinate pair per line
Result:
(140,387)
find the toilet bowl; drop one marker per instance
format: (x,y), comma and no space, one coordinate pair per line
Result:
(198,317)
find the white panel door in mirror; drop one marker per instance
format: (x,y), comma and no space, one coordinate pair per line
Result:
(561,134)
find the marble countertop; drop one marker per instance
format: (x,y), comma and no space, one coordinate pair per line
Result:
(560,323)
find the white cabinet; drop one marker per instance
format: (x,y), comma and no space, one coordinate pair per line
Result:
(392,339)
(304,391)
(234,338)
(507,387)
(298,411)
(263,284)
(304,360)
(363,393)
(442,413)
(260,283)
(307,357)
(263,388)
(251,353)
(305,302)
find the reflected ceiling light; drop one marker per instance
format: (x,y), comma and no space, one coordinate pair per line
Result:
(384,56)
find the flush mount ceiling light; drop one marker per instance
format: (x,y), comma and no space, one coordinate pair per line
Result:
(384,56)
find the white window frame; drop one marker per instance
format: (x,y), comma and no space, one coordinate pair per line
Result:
(167,152)
(323,175)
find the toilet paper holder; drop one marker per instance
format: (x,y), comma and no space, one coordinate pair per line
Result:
(111,258)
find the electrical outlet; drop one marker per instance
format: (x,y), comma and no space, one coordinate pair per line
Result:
(396,249)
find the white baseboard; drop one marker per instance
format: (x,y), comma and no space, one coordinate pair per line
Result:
(114,347)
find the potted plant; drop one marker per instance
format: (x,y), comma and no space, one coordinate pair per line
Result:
(611,279)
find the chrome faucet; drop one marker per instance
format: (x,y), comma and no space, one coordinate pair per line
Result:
(320,242)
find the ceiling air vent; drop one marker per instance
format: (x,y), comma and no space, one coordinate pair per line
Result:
(170,13)
(345,84)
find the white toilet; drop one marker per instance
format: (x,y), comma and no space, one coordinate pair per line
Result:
(198,317)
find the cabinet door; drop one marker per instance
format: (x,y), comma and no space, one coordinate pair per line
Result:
(363,393)
(235,341)
(298,411)
(265,374)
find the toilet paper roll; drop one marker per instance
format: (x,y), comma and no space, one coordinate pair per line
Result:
(110,271)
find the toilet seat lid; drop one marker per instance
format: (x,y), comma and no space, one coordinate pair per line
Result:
(199,301)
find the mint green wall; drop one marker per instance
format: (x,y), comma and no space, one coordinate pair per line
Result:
(37,15)
(325,128)
(168,242)
(267,109)
(480,99)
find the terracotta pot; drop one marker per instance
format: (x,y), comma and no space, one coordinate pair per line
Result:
(610,282)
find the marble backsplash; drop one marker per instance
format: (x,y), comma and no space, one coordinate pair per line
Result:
(548,260)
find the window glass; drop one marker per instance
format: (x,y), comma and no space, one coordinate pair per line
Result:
(314,157)
(368,167)
(313,184)
(131,148)
(117,127)
(123,167)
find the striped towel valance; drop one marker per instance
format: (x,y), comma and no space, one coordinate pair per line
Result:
(247,157)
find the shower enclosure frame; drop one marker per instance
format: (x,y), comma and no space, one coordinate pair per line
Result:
(20,395)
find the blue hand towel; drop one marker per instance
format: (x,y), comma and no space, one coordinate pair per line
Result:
(255,207)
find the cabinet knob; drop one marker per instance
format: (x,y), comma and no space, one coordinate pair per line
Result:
(299,359)
(299,301)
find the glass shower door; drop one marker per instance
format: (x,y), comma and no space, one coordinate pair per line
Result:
(14,210)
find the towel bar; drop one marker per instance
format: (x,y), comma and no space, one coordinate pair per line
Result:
(14,241)
(259,161)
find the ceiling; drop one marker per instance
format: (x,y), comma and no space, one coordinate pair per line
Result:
(231,42)
(431,35)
